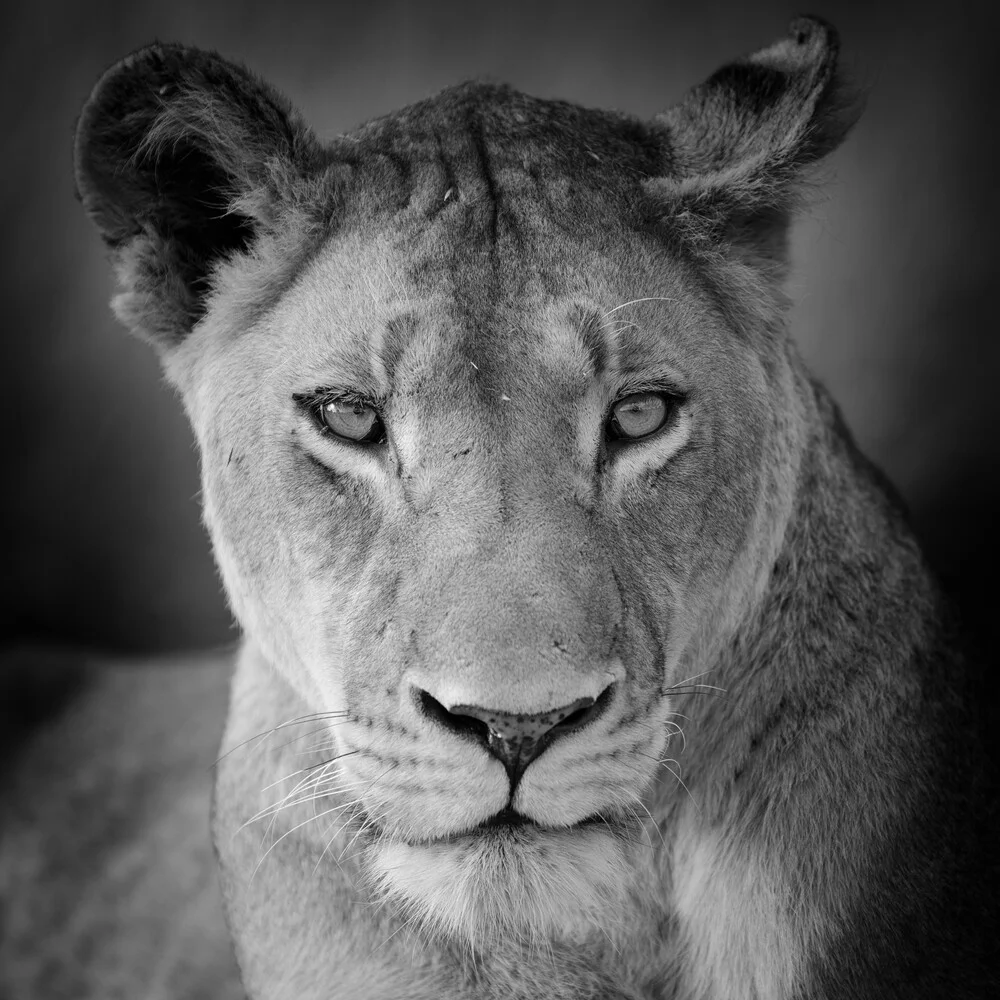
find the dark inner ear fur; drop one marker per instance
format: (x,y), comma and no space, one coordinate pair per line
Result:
(740,143)
(169,147)
(192,207)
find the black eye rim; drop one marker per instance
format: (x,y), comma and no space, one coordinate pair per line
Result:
(672,400)
(315,404)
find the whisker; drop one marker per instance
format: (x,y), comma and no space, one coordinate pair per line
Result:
(637,819)
(318,787)
(634,797)
(315,717)
(330,744)
(321,784)
(694,677)
(304,736)
(326,812)
(366,825)
(668,761)
(288,777)
(695,689)
(368,822)
(329,843)
(632,302)
(652,819)
(677,731)
(311,767)
(285,834)
(333,760)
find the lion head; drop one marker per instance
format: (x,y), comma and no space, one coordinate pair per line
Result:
(499,428)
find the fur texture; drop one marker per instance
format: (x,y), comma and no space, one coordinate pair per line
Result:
(491,273)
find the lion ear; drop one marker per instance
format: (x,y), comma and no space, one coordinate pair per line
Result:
(176,155)
(739,144)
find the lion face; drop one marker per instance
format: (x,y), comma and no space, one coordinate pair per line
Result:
(499,544)
(498,434)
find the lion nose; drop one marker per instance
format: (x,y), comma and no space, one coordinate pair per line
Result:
(515,738)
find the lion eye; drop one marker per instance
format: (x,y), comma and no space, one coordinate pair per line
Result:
(639,415)
(353,421)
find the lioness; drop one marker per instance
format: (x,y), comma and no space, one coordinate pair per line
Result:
(522,495)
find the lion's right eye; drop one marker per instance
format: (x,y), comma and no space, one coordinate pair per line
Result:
(357,422)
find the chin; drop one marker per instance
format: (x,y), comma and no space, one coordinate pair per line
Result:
(524,885)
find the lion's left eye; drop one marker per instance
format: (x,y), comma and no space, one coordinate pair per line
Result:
(356,422)
(639,415)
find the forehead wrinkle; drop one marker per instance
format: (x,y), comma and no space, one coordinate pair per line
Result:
(598,340)
(390,342)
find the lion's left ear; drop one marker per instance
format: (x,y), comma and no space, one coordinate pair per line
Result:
(738,145)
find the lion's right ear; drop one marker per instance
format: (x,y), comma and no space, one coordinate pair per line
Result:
(179,156)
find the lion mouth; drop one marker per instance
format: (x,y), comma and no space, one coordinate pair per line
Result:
(505,819)
(507,825)
(509,820)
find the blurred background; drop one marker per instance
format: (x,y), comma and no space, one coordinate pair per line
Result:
(896,269)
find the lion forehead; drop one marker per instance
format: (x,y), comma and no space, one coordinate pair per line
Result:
(486,126)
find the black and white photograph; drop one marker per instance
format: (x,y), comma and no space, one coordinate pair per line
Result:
(502,501)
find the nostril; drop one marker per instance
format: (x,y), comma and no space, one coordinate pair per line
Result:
(464,725)
(584,714)
(576,718)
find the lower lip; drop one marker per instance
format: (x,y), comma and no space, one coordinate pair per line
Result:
(511,825)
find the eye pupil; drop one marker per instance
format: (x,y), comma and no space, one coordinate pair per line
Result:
(638,416)
(353,421)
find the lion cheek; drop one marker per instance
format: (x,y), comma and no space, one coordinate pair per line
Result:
(278,614)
